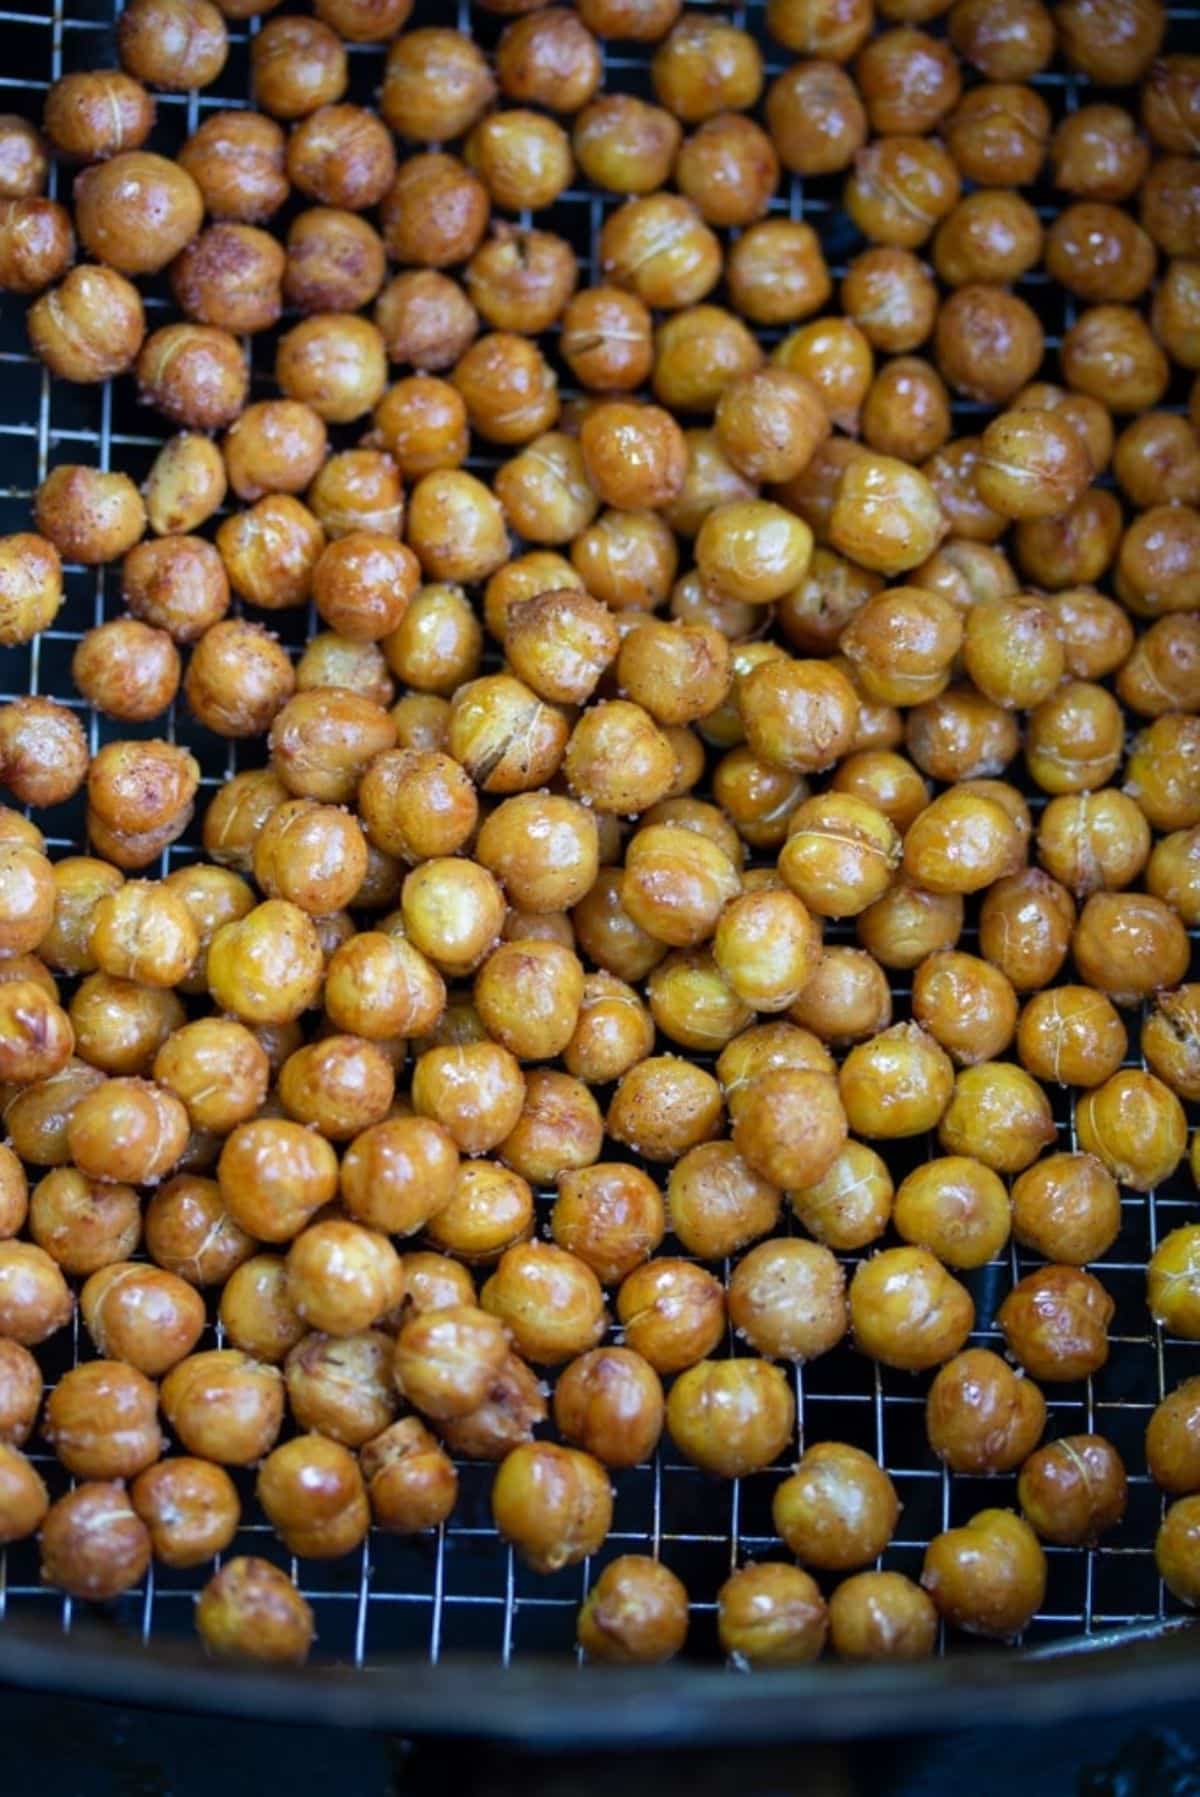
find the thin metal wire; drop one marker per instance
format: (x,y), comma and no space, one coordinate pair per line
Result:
(461,1587)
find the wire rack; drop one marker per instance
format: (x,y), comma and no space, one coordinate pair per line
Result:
(462,1589)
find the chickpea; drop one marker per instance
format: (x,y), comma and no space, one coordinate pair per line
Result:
(22,1493)
(636,1613)
(659,248)
(24,162)
(20,1394)
(907,1311)
(552,1503)
(771,1614)
(1073,1490)
(189,1232)
(787,1300)
(989,1577)
(250,1610)
(957,1208)
(1175,1550)
(313,1493)
(549,1299)
(81,1223)
(172,43)
(411,1483)
(137,211)
(102,1421)
(342,1278)
(731,1417)
(1055,1322)
(37,1116)
(1171,1453)
(851,1204)
(93,1544)
(898,1083)
(980,1416)
(609,1402)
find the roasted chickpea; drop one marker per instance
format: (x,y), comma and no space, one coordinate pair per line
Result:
(1128,944)
(549,1299)
(981,1417)
(907,1311)
(609,1402)
(1171,1441)
(335,262)
(771,1614)
(1025,927)
(37,1116)
(988,1577)
(788,1300)
(624,144)
(24,163)
(553,1504)
(102,1420)
(1073,1490)
(313,1493)
(731,1417)
(636,1613)
(93,1544)
(36,245)
(21,1394)
(137,210)
(172,43)
(1055,1322)
(83,1224)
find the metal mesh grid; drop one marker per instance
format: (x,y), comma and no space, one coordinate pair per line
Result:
(462,1588)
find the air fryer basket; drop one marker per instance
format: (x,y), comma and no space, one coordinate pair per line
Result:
(418,1628)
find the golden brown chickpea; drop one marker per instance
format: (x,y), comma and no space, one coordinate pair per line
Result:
(968,1006)
(14,1201)
(127,669)
(142,931)
(663,1106)
(838,1510)
(523,158)
(908,79)
(36,1116)
(549,1299)
(1135,1125)
(509,389)
(128,1130)
(410,1481)
(899,189)
(981,1417)
(676,884)
(298,64)
(455,526)
(102,1421)
(705,66)
(400,1174)
(955,1207)
(190,1507)
(1129,944)
(1099,154)
(717,1204)
(491,1208)
(313,1493)
(660,249)
(891,297)
(988,343)
(1073,1490)
(36,1035)
(624,144)
(697,352)
(136,211)
(777,273)
(728,169)
(961,843)
(1074,549)
(143,1315)
(93,1544)
(475,1091)
(34,1298)
(1171,1289)
(816,118)
(528,995)
(1171,1441)
(342,1278)
(23,160)
(627,560)
(1171,874)
(999,134)
(43,752)
(1162,674)
(90,516)
(1160,773)
(270,551)
(340,1085)
(238,679)
(335,262)
(177,584)
(988,1577)
(36,246)
(176,44)
(771,1614)
(276,446)
(1074,738)
(1006,40)
(446,1360)
(731,1417)
(672,1312)
(544,490)
(788,1300)
(438,642)
(635,1614)
(1067,1208)
(1025,926)
(189,1231)
(1170,1042)
(506,1419)
(1169,103)
(999,1115)
(907,1311)
(548,59)
(83,1224)
(336,363)
(610,1403)
(789,1125)
(435,213)
(897,1084)
(332,660)
(908,923)
(91,116)
(274,1175)
(849,1207)
(436,83)
(878,1616)
(1071,1035)
(824,29)
(21,1393)
(342,156)
(553,1504)
(453,912)
(266,967)
(249,1610)
(120,1026)
(363,584)
(218,1069)
(237,159)
(1110,354)
(1055,1322)
(906,413)
(1175,1550)
(1154,551)
(1112,44)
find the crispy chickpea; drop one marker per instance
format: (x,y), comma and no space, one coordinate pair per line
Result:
(1110,354)
(491,1208)
(1025,927)
(771,1614)
(1099,153)
(438,643)
(850,1206)
(624,144)
(313,1493)
(143,1315)
(659,248)
(968,1006)
(335,362)
(436,83)
(1055,1322)
(908,923)
(410,1481)
(237,158)
(91,116)
(1172,1442)
(342,1278)
(89,516)
(217,1068)
(128,1130)
(102,1421)
(635,1614)
(523,158)
(435,212)
(476,1091)
(190,1507)
(731,1417)
(14,1194)
(172,43)
(877,1616)
(672,1312)
(1067,1208)
(789,1125)
(980,1416)
(838,1510)
(1073,1490)
(553,1504)
(957,1208)
(988,1577)
(266,967)
(1134,1125)
(189,1231)
(36,1117)
(899,188)
(1175,1550)
(43,753)
(36,245)
(137,211)
(34,1297)
(93,1544)
(21,1394)
(787,1300)
(1071,1035)
(999,1115)
(506,1419)
(120,1026)
(717,1204)
(609,1402)
(1170,1040)
(549,1299)
(446,1360)
(274,1175)
(898,1083)
(1171,1287)
(1129,944)
(83,1224)
(907,1311)
(249,1610)
(23,160)
(728,169)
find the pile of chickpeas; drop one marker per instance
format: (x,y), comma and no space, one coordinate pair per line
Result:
(470,933)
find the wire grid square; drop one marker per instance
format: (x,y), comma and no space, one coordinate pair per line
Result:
(461,1589)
